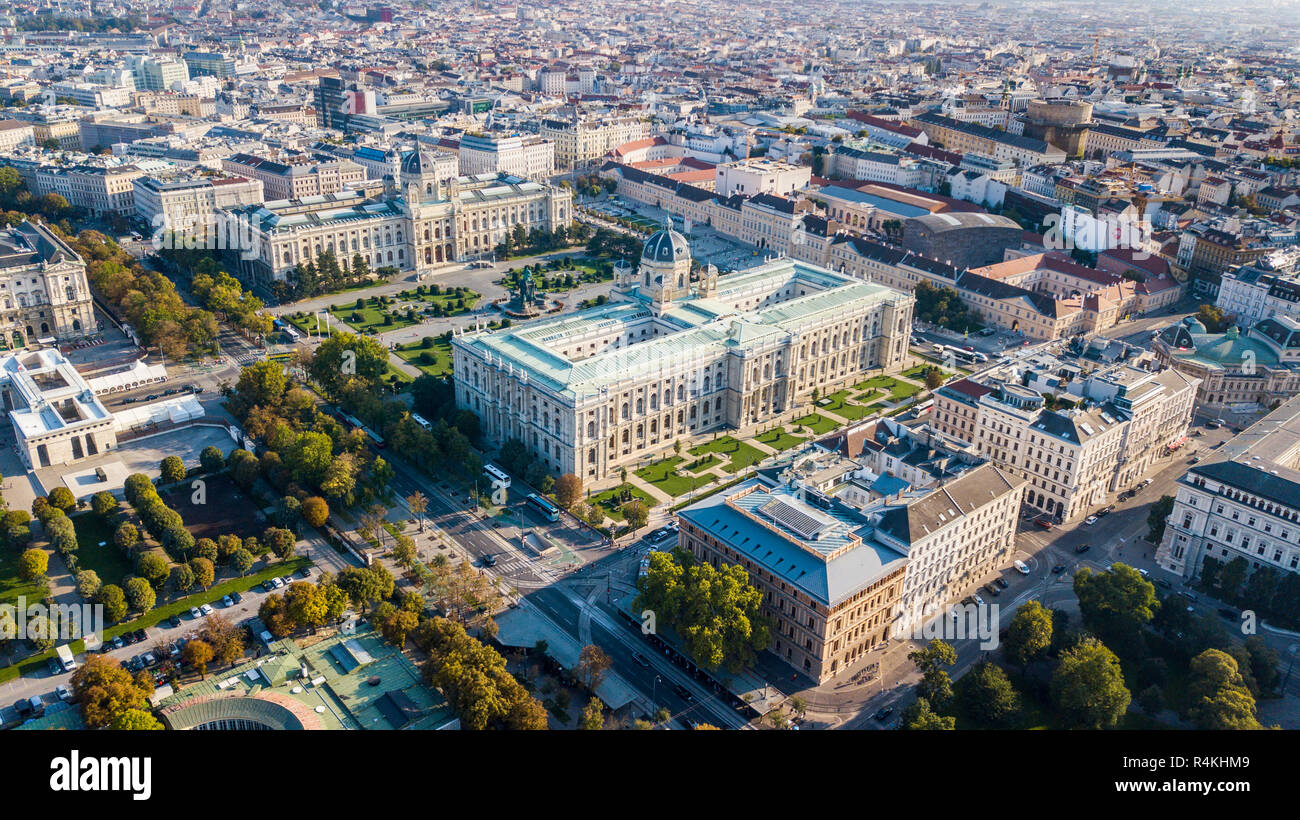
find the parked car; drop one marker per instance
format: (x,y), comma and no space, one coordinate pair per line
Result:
(1164,582)
(275,583)
(236,597)
(206,609)
(992,590)
(285,580)
(194,613)
(64,693)
(1058,569)
(1021,567)
(978,599)
(1090,520)
(883,713)
(56,668)
(968,600)
(1105,511)
(174,621)
(227,602)
(640,660)
(1082,548)
(117,642)
(1001,582)
(305,572)
(23,706)
(1044,523)
(147,660)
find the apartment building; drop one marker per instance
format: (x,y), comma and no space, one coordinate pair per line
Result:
(1241,502)
(525,156)
(751,177)
(14,133)
(851,162)
(190,206)
(1270,287)
(964,137)
(1125,422)
(588,138)
(296,177)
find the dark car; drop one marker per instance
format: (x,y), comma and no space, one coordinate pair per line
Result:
(992,590)
(1082,548)
(174,621)
(883,713)
(151,397)
(640,659)
(1161,582)
(236,597)
(1105,511)
(1193,459)
(683,693)
(1001,582)
(23,706)
(305,572)
(118,642)
(138,636)
(968,600)
(1058,569)
(55,667)
(489,560)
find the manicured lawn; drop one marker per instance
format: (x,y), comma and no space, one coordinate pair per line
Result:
(612,507)
(370,317)
(664,475)
(840,406)
(918,373)
(702,463)
(108,562)
(819,424)
(898,390)
(740,454)
(436,360)
(778,439)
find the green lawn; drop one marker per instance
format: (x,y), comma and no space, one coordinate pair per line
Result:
(778,439)
(612,509)
(370,317)
(918,373)
(436,360)
(840,406)
(898,390)
(702,463)
(11,586)
(740,455)
(664,475)
(820,425)
(36,662)
(108,562)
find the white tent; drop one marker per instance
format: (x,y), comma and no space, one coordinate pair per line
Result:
(137,375)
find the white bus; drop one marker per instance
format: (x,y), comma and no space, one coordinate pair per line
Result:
(497,475)
(421,420)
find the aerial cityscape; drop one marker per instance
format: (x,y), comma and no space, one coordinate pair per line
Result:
(430,365)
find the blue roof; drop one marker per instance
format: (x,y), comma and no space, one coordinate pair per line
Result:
(879,202)
(840,559)
(889,485)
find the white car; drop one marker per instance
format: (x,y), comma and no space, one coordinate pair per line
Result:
(978,599)
(1090,520)
(194,613)
(206,609)
(277,583)
(1021,568)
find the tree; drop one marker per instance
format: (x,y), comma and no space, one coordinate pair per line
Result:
(592,665)
(1116,605)
(315,511)
(474,680)
(275,615)
(126,536)
(103,504)
(132,720)
(211,459)
(281,542)
(716,611)
(33,564)
(63,535)
(1088,686)
(933,378)
(936,685)
(403,551)
(593,715)
(1218,694)
(1157,517)
(62,498)
(173,469)
(568,490)
(224,636)
(183,577)
(1213,317)
(152,568)
(105,690)
(113,599)
(1030,634)
(242,560)
(418,503)
(197,653)
(262,384)
(985,695)
(397,624)
(204,572)
(140,595)
(919,717)
(305,604)
(88,584)
(636,514)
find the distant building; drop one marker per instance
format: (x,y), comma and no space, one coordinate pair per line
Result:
(963,239)
(55,416)
(520,155)
(1255,368)
(43,288)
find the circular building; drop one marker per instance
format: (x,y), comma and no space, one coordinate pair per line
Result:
(263,711)
(966,240)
